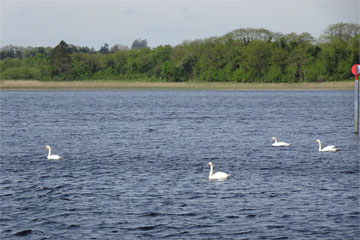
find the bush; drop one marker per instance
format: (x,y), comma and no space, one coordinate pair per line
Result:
(25,73)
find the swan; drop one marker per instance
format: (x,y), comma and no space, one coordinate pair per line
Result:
(279,144)
(329,148)
(51,157)
(217,175)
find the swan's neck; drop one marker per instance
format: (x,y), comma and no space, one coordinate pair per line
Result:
(211,171)
(319,146)
(49,152)
(275,139)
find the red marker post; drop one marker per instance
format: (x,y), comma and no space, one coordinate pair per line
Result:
(356,71)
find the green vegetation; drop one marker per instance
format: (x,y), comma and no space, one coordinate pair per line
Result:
(243,55)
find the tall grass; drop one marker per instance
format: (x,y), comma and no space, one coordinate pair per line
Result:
(79,85)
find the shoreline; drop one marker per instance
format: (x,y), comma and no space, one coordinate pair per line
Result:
(123,85)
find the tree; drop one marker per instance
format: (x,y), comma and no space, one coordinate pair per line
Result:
(11,52)
(250,34)
(160,55)
(299,58)
(104,49)
(39,61)
(120,59)
(171,72)
(83,66)
(343,31)
(119,47)
(257,56)
(139,62)
(138,44)
(60,59)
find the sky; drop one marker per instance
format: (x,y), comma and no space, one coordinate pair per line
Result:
(93,23)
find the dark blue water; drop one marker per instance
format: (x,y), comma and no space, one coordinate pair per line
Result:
(135,165)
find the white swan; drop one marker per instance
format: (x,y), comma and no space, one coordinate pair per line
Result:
(217,175)
(279,144)
(330,148)
(52,157)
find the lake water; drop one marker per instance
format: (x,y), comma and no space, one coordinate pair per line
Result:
(134,165)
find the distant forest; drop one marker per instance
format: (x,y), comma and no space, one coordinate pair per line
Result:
(243,55)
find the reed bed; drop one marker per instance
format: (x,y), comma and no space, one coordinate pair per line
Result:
(118,85)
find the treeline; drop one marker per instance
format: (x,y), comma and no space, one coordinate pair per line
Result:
(243,55)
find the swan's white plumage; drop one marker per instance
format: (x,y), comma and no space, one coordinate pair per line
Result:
(217,175)
(50,156)
(330,148)
(279,144)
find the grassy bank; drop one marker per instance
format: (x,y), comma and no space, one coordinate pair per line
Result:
(88,85)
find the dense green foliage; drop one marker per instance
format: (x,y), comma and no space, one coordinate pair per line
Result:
(244,55)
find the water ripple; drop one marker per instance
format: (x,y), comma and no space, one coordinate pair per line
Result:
(135,165)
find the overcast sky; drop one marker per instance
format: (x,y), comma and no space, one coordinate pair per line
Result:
(93,23)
